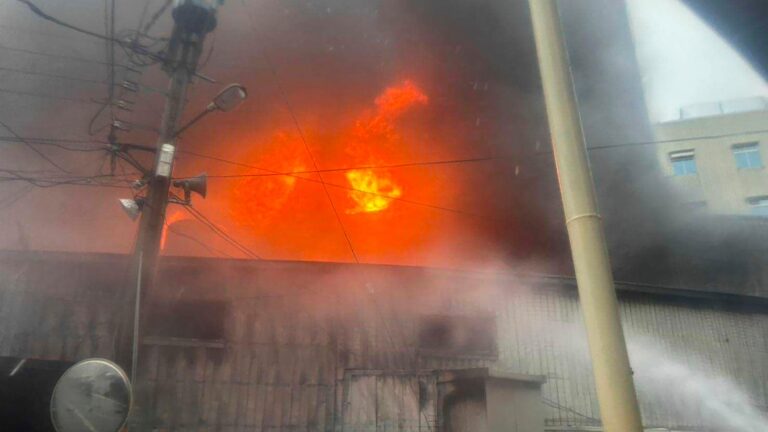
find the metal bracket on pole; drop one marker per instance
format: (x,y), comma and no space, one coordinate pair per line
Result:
(165,160)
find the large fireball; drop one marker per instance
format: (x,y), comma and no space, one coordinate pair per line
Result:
(286,204)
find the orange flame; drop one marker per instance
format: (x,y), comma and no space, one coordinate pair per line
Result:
(176,216)
(393,102)
(258,199)
(291,212)
(373,193)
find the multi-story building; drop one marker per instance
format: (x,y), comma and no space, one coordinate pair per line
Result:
(714,156)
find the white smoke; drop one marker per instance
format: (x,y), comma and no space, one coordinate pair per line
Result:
(693,394)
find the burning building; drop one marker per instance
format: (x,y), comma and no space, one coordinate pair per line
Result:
(323,169)
(300,346)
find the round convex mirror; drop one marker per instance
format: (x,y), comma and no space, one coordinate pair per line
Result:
(94,395)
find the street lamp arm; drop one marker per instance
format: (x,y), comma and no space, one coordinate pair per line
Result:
(209,109)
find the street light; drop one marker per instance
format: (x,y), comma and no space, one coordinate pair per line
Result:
(132,207)
(228,99)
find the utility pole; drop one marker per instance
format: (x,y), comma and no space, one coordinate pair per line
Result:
(193,19)
(597,294)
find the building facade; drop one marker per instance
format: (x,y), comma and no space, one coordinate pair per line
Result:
(287,346)
(714,156)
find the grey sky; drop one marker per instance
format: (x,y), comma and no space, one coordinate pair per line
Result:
(684,62)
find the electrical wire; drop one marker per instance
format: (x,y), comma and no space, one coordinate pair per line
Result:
(61,56)
(685,139)
(130,45)
(158,13)
(60,143)
(234,163)
(43,176)
(143,15)
(132,162)
(11,140)
(221,233)
(137,34)
(50,75)
(296,174)
(109,24)
(110,60)
(553,404)
(34,149)
(120,152)
(349,188)
(216,230)
(55,140)
(39,12)
(51,34)
(289,107)
(46,96)
(75,181)
(364,167)
(141,59)
(15,196)
(210,51)
(197,241)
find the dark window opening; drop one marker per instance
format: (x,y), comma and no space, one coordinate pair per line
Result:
(457,336)
(203,320)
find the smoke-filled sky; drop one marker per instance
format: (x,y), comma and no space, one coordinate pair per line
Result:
(337,84)
(444,94)
(684,62)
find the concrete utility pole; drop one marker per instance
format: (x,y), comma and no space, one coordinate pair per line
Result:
(193,19)
(613,376)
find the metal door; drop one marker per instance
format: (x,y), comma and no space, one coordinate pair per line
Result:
(374,401)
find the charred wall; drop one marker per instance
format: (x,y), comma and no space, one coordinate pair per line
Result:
(300,339)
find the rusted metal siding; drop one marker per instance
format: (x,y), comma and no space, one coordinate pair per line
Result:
(296,330)
(385,401)
(276,372)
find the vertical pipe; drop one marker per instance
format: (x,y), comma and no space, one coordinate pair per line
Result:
(613,376)
(136,316)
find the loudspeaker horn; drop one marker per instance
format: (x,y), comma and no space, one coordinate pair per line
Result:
(197,184)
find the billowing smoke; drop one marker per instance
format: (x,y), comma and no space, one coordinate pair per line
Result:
(315,70)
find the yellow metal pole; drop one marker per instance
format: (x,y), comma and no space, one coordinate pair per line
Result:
(613,376)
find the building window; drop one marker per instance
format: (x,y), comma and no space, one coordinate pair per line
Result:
(457,336)
(200,320)
(683,163)
(759,206)
(747,156)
